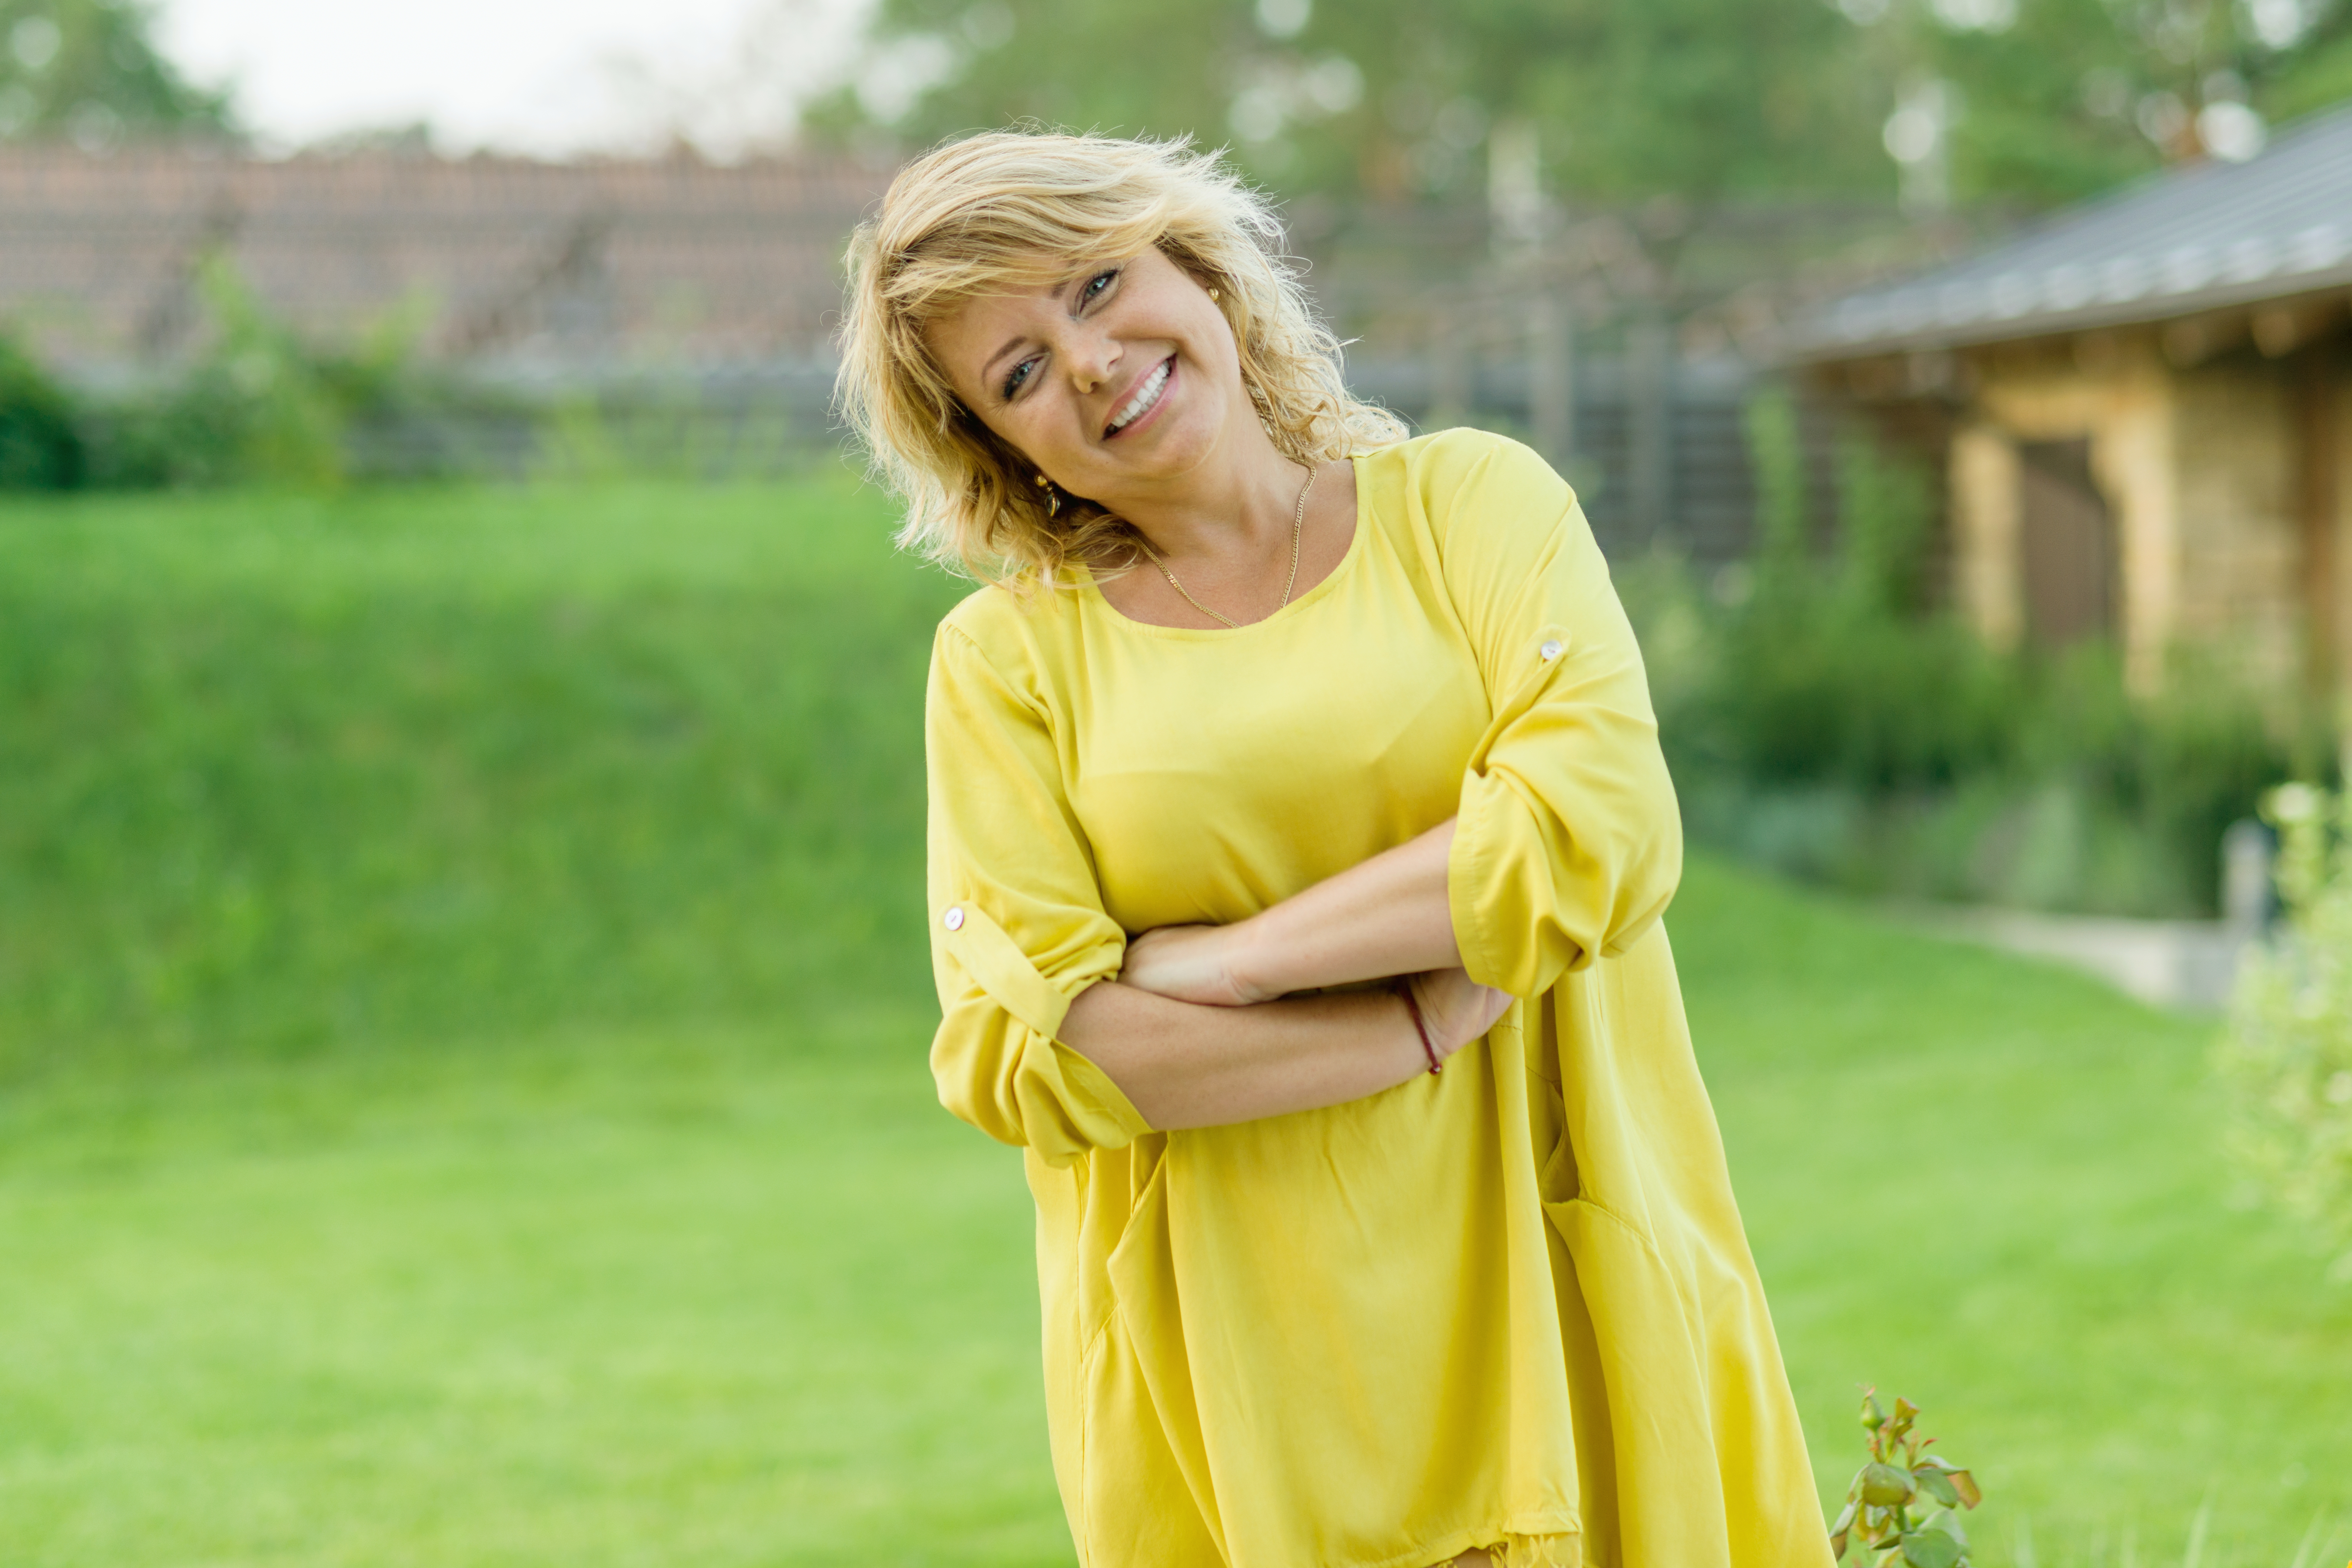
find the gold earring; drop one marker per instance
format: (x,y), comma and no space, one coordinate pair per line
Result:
(1213,294)
(1053,498)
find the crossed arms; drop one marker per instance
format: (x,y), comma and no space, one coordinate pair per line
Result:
(1201,1028)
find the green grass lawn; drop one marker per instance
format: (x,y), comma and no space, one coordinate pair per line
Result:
(462,1096)
(280,773)
(1995,1188)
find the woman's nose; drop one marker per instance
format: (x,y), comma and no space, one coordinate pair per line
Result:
(1091,358)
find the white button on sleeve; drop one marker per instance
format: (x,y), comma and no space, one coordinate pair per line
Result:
(1550,650)
(953,918)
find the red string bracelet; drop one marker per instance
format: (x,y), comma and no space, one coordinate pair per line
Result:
(1405,990)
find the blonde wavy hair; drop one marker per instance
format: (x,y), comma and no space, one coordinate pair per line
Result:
(1014,209)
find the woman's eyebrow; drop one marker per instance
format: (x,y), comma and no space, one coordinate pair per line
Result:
(1009,344)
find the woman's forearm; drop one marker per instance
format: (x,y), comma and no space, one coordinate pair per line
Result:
(1185,1065)
(1389,916)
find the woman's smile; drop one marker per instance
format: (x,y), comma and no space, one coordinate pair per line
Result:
(1118,381)
(1146,401)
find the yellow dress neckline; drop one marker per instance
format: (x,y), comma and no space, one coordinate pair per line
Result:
(1094,596)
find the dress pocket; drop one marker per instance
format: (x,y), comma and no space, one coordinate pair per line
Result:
(1148,1499)
(1137,1506)
(1559,1181)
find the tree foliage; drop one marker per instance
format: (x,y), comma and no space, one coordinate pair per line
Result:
(1393,98)
(89,71)
(2041,100)
(2059,99)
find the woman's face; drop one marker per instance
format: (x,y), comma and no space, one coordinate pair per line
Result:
(1118,378)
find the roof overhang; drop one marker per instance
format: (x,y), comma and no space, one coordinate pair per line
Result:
(1889,326)
(2189,242)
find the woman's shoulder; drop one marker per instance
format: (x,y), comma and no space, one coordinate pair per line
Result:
(1435,478)
(1455,454)
(1010,628)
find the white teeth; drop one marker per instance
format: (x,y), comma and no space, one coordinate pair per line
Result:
(1145,396)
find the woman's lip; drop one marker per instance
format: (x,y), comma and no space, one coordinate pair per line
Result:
(1148,415)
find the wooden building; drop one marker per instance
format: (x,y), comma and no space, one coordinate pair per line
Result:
(2141,409)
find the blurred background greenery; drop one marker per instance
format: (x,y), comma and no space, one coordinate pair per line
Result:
(462,1000)
(1692,100)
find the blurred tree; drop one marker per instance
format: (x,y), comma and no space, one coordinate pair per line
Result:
(1394,98)
(2034,101)
(89,71)
(2317,70)
(2053,99)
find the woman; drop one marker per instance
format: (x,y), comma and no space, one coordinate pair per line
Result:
(1263,707)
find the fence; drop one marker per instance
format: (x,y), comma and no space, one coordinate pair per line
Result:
(1656,450)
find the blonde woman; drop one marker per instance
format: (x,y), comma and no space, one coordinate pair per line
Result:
(1298,839)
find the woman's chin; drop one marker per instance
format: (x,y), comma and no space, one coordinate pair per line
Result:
(1175,444)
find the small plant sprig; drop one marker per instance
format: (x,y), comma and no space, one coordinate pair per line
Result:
(1902,1476)
(2286,1058)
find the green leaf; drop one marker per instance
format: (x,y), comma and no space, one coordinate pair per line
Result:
(1966,1485)
(1945,1520)
(1930,1548)
(1933,1482)
(1845,1517)
(1873,1414)
(1886,1486)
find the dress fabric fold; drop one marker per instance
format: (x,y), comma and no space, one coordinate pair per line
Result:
(1507,1306)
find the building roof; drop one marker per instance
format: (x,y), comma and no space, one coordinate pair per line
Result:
(490,258)
(2183,242)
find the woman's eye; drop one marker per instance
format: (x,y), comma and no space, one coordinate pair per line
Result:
(1020,376)
(1095,285)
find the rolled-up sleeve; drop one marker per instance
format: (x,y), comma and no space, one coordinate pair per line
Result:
(1569,840)
(1017,925)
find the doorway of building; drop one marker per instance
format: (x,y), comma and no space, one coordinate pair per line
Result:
(2069,544)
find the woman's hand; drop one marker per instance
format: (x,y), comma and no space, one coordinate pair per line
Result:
(1189,964)
(1457,1009)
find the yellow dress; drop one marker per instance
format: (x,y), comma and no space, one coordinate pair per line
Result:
(1510,1305)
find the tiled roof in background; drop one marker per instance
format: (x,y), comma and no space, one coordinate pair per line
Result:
(2214,235)
(675,259)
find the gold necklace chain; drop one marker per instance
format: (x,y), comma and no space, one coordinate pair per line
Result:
(1297,524)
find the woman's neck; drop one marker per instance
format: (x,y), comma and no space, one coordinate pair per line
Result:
(1237,568)
(1240,507)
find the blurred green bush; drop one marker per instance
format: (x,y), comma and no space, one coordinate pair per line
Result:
(254,403)
(1824,718)
(40,437)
